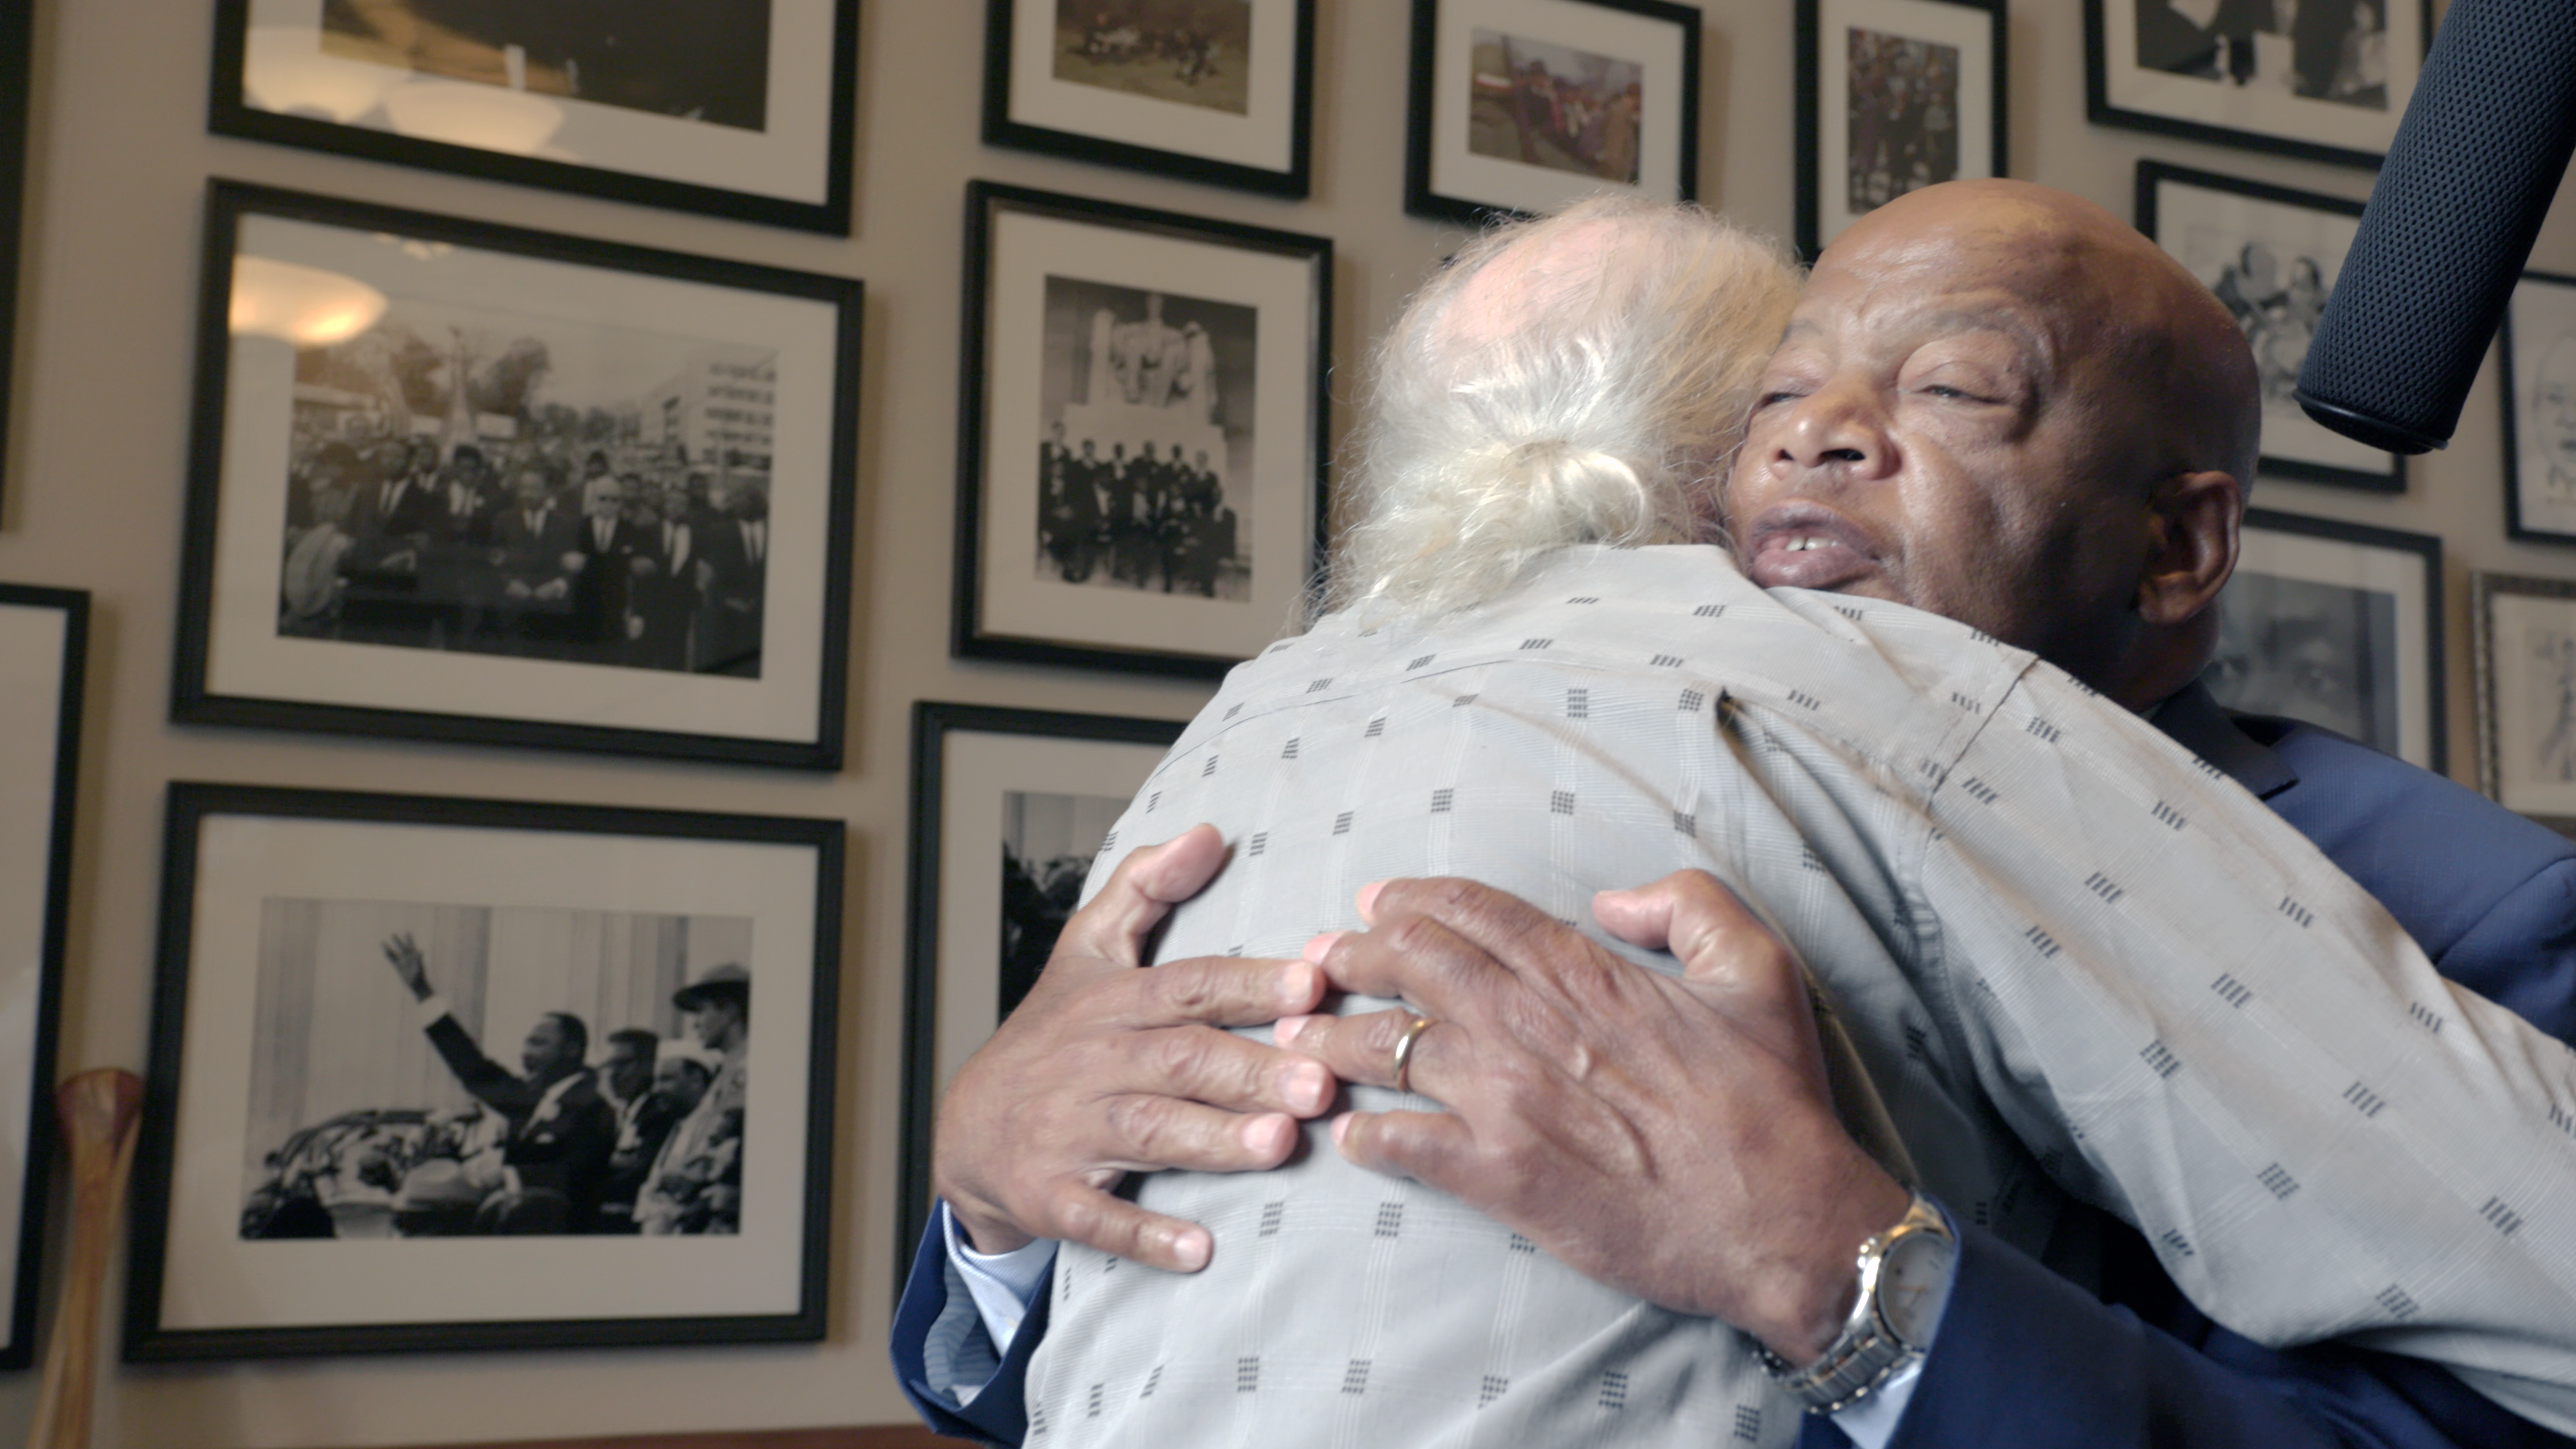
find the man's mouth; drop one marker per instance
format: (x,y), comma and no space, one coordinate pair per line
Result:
(1805,547)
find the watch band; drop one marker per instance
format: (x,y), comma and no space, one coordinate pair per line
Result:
(1868,1351)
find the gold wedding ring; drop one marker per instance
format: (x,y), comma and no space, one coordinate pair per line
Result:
(1404,1052)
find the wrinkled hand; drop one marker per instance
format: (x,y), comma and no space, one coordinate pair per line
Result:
(1671,1137)
(1106,1069)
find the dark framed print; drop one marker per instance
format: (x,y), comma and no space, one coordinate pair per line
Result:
(2322,79)
(740,108)
(1893,95)
(2272,255)
(1520,105)
(333,1162)
(44,637)
(1221,91)
(2340,625)
(2539,378)
(1141,433)
(462,482)
(1008,808)
(2526,642)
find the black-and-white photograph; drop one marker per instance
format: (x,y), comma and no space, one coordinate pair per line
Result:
(2325,50)
(1048,841)
(706,61)
(2337,624)
(1893,96)
(1195,52)
(1149,402)
(742,108)
(2526,642)
(2322,79)
(1141,433)
(1903,114)
(2271,255)
(2538,353)
(1038,792)
(2323,653)
(528,485)
(1555,106)
(442,1070)
(463,482)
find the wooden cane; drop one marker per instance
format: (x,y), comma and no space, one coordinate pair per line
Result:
(98,1110)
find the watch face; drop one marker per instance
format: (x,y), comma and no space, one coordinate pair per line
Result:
(1914,1284)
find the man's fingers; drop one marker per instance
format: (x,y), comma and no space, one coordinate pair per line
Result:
(1719,941)
(1434,1148)
(1083,1214)
(1137,895)
(1498,927)
(1420,960)
(1222,991)
(1147,1134)
(1361,1049)
(1217,1068)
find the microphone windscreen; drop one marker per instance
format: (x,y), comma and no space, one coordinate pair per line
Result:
(2451,221)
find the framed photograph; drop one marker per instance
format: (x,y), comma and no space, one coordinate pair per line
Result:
(1141,433)
(1034,793)
(44,639)
(1221,91)
(455,481)
(2526,642)
(2339,625)
(434,1074)
(2540,409)
(1893,95)
(2323,79)
(2272,255)
(1519,105)
(740,108)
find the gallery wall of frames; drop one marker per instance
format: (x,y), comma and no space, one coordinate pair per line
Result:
(515,525)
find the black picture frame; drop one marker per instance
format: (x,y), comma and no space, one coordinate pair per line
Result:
(43,631)
(2525,631)
(1272,156)
(17,41)
(1036,585)
(769,887)
(2226,229)
(2339,624)
(761,403)
(2536,357)
(306,95)
(940,872)
(1825,148)
(2169,99)
(1447,178)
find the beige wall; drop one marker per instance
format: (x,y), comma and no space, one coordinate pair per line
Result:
(96,464)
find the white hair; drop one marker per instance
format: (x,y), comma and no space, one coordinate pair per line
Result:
(1598,398)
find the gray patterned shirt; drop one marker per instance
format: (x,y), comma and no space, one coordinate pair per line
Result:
(2079,962)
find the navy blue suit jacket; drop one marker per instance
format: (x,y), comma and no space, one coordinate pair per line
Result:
(2026,1358)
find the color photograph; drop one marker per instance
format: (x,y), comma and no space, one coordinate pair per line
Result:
(1551,105)
(1893,96)
(1196,52)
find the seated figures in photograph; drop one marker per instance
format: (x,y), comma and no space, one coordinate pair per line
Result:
(2102,989)
(695,1182)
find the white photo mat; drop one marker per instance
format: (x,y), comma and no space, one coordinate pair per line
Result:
(1026,248)
(1653,45)
(33,656)
(1967,28)
(2396,573)
(1262,137)
(248,657)
(2262,110)
(212,1278)
(287,71)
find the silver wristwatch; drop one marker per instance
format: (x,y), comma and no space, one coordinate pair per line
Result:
(1905,1276)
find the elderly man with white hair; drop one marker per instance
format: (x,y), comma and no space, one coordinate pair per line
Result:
(1533,676)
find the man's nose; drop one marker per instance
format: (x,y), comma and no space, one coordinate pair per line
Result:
(1840,427)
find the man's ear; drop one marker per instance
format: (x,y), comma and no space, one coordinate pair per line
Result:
(2191,546)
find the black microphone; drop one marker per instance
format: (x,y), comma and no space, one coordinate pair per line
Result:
(2481,150)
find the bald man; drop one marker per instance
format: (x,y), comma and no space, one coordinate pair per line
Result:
(1995,403)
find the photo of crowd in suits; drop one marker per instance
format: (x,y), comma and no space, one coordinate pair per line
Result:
(521,485)
(1048,841)
(2322,50)
(1554,106)
(706,60)
(1197,52)
(1904,116)
(1145,468)
(378,1108)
